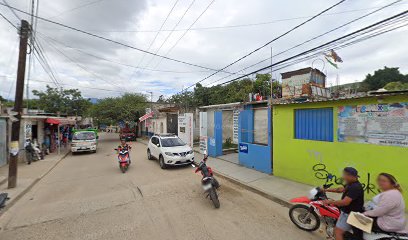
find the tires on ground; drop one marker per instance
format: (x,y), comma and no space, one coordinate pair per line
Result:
(163,165)
(297,215)
(214,198)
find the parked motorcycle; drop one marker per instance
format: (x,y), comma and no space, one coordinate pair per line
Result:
(208,182)
(308,213)
(123,158)
(32,153)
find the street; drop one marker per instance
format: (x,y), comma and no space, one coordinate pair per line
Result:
(87,197)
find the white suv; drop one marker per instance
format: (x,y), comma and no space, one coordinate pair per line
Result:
(170,150)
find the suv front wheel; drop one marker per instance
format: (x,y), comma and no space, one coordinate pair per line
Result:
(163,165)
(149,154)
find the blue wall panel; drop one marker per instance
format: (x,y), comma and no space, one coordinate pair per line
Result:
(314,124)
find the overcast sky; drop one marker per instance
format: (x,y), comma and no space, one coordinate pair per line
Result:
(211,42)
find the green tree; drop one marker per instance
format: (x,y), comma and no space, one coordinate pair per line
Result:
(69,101)
(128,107)
(381,77)
(395,86)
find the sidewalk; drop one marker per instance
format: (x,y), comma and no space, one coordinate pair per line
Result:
(277,189)
(28,176)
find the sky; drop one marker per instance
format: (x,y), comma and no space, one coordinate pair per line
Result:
(207,33)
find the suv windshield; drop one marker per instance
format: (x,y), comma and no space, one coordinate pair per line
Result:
(172,142)
(84,136)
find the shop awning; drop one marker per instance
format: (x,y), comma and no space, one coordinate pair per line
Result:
(52,121)
(146,116)
(60,121)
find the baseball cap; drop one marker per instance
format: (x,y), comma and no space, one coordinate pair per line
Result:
(351,171)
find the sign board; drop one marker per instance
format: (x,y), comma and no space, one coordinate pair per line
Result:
(203,132)
(235,126)
(381,124)
(28,130)
(243,147)
(186,128)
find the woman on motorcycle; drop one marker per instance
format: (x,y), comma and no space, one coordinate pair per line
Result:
(388,208)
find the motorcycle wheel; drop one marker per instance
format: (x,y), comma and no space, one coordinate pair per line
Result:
(214,198)
(123,168)
(311,224)
(29,158)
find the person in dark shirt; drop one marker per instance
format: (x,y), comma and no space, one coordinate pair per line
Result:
(352,200)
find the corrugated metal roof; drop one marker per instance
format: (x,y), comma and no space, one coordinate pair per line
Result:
(221,105)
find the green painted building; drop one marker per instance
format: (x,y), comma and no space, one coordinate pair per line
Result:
(314,140)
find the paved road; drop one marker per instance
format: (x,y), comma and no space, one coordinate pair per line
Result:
(87,197)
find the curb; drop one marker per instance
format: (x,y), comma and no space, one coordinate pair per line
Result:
(12,201)
(255,190)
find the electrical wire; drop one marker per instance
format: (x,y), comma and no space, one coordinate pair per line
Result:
(9,21)
(113,41)
(185,32)
(311,39)
(157,34)
(116,62)
(318,48)
(11,9)
(171,32)
(76,8)
(231,26)
(269,42)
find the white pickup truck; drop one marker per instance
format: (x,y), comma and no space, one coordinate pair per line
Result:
(84,141)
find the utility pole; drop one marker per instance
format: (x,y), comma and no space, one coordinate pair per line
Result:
(271,106)
(18,102)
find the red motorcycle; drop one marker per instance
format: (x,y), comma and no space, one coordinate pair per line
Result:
(123,158)
(308,213)
(208,182)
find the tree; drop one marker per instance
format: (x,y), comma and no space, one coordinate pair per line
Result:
(236,91)
(395,86)
(68,101)
(128,108)
(381,77)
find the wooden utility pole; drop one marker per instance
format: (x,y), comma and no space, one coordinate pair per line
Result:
(18,103)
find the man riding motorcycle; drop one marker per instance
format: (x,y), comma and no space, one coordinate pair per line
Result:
(124,146)
(352,200)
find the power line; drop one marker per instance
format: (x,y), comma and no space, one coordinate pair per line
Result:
(8,20)
(11,9)
(309,40)
(269,42)
(232,26)
(186,31)
(113,41)
(82,67)
(171,32)
(402,14)
(76,8)
(116,62)
(155,37)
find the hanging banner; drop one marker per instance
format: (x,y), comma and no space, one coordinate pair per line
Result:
(185,128)
(235,126)
(203,132)
(381,124)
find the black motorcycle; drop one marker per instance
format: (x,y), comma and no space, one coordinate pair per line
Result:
(208,182)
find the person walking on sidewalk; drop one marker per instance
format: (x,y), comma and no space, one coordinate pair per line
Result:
(352,200)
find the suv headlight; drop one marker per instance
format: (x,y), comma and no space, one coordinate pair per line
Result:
(169,154)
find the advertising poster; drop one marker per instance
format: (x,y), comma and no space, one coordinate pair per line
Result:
(381,124)
(185,128)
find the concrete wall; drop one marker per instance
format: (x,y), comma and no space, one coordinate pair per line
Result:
(157,125)
(310,162)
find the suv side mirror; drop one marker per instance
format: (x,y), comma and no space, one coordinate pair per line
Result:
(158,145)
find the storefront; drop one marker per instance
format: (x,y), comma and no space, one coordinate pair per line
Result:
(315,140)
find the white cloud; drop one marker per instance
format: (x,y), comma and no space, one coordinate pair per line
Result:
(213,48)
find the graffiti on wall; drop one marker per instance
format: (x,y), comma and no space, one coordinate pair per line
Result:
(322,173)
